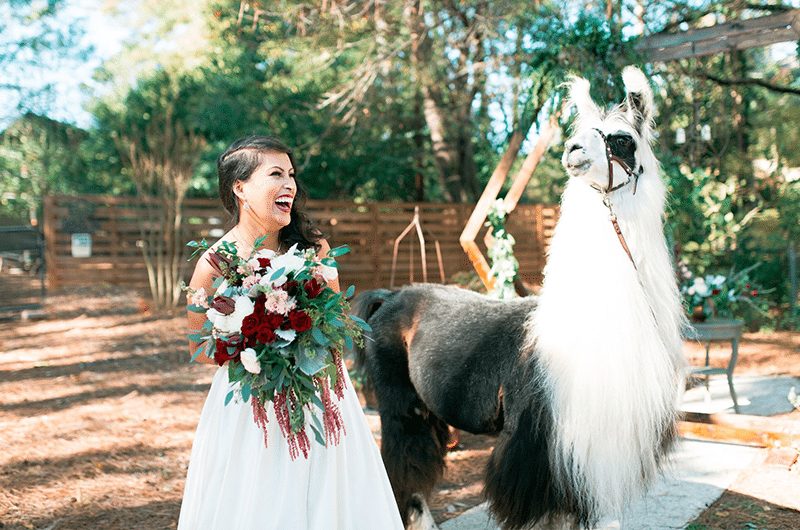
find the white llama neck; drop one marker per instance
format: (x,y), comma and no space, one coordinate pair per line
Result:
(610,347)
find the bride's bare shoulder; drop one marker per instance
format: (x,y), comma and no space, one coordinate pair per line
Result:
(204,272)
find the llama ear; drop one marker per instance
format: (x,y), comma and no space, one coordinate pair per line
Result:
(638,105)
(580,97)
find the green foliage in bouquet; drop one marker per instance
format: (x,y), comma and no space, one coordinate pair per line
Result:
(281,330)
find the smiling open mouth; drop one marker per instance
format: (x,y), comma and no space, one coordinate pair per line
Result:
(284,204)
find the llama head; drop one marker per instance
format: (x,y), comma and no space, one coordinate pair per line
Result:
(626,127)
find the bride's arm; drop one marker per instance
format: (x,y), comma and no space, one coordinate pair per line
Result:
(202,277)
(323,251)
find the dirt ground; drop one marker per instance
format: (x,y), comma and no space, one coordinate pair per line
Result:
(98,407)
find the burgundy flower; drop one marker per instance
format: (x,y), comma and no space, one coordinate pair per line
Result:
(290,287)
(260,303)
(224,305)
(265,336)
(263,262)
(221,354)
(219,262)
(313,288)
(250,325)
(272,321)
(754,292)
(300,321)
(715,292)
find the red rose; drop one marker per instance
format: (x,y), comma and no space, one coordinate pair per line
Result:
(260,303)
(273,321)
(250,325)
(265,336)
(754,292)
(224,305)
(263,262)
(221,354)
(300,321)
(290,287)
(715,292)
(313,288)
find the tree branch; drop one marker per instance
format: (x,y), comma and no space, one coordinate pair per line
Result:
(747,81)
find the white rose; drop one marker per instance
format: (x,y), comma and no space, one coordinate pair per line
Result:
(266,253)
(250,362)
(231,323)
(328,273)
(291,261)
(700,287)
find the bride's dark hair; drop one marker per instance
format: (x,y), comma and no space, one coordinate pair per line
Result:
(238,162)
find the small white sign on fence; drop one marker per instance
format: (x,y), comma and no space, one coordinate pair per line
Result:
(81,245)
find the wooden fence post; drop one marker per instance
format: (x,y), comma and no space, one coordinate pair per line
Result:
(49,229)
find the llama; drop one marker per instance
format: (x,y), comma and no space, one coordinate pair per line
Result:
(580,384)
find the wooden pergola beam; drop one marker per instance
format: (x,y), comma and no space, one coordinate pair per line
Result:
(756,431)
(736,35)
(492,190)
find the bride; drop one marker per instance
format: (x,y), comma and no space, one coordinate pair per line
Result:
(234,481)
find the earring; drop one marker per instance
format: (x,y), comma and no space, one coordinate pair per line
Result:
(246,205)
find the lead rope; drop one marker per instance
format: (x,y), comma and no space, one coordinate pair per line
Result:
(613,218)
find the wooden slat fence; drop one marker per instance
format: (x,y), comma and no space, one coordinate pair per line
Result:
(369,229)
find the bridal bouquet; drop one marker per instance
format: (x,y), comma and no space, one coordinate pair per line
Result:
(280,329)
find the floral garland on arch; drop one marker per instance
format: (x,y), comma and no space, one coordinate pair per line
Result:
(280,329)
(504,265)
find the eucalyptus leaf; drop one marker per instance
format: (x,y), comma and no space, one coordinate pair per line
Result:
(335,322)
(229,397)
(333,301)
(363,325)
(330,262)
(319,337)
(339,251)
(350,291)
(348,342)
(308,362)
(317,434)
(198,350)
(246,392)
(277,274)
(217,282)
(196,308)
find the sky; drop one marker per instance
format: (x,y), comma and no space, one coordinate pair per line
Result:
(71,79)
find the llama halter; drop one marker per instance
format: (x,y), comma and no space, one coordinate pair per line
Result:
(611,158)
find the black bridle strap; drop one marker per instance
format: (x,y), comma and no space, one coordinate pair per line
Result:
(611,158)
(607,200)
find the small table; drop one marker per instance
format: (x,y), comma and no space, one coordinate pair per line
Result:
(720,330)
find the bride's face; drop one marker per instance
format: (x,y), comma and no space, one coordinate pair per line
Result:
(269,193)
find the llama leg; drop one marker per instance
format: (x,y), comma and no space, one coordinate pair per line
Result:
(413,440)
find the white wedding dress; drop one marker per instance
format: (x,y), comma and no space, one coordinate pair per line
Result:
(235,483)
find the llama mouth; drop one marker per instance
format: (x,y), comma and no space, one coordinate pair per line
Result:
(580,167)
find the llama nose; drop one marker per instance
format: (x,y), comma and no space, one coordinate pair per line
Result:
(573,147)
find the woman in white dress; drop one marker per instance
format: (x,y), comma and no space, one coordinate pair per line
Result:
(234,482)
